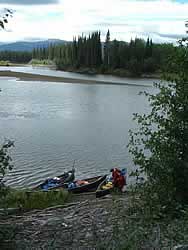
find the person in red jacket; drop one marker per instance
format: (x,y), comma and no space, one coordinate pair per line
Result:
(115,174)
(121,182)
(118,178)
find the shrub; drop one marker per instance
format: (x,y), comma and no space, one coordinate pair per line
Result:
(160,146)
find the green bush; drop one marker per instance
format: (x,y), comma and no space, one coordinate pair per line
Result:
(4,63)
(160,145)
(41,62)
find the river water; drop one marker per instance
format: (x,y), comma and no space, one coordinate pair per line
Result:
(54,124)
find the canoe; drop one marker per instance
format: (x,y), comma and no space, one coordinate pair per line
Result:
(56,182)
(86,185)
(104,188)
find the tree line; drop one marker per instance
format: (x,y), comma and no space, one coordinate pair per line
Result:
(16,56)
(82,52)
(137,56)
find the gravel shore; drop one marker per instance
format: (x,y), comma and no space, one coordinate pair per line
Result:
(34,77)
(86,223)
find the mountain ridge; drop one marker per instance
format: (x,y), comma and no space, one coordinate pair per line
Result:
(29,45)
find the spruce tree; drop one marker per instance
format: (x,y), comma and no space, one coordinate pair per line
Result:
(107,50)
(147,48)
(99,50)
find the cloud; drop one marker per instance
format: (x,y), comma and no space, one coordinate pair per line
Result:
(29,2)
(160,37)
(163,20)
(171,36)
(33,39)
(108,24)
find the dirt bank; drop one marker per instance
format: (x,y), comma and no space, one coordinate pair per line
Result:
(86,223)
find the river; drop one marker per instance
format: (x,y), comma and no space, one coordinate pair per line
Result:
(54,124)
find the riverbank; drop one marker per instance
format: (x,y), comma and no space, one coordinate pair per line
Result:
(111,222)
(34,77)
(85,71)
(11,64)
(112,72)
(83,223)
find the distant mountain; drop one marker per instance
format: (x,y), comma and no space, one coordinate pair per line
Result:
(29,46)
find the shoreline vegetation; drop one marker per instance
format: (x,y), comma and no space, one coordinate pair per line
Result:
(21,201)
(120,72)
(10,64)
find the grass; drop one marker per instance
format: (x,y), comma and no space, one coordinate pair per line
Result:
(26,200)
(5,63)
(41,62)
(8,63)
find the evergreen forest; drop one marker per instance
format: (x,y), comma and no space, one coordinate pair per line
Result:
(88,52)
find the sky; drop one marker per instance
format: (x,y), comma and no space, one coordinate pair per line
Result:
(161,20)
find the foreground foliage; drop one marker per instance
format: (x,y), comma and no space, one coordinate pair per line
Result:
(141,228)
(160,146)
(4,17)
(5,159)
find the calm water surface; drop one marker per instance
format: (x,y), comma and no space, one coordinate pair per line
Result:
(54,124)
